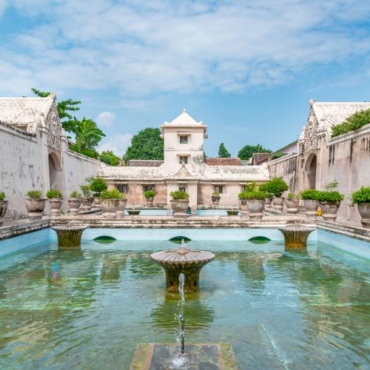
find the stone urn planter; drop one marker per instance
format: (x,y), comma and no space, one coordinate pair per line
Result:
(109,208)
(3,209)
(278,202)
(74,205)
(311,206)
(87,203)
(268,203)
(122,203)
(364,210)
(291,203)
(329,210)
(35,205)
(255,208)
(97,202)
(179,202)
(55,202)
(149,196)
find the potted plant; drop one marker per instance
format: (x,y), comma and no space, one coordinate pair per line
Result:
(3,207)
(268,200)
(149,195)
(97,185)
(329,201)
(109,202)
(216,198)
(55,200)
(35,204)
(361,197)
(121,206)
(74,202)
(254,199)
(179,201)
(311,203)
(87,199)
(276,186)
(291,202)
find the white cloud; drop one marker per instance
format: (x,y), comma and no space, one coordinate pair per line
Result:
(105,119)
(118,144)
(142,48)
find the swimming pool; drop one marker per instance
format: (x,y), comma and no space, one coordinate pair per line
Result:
(278,309)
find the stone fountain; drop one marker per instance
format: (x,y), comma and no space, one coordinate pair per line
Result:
(69,235)
(296,235)
(182,260)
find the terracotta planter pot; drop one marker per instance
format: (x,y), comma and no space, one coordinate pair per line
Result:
(179,205)
(74,205)
(3,209)
(329,210)
(35,208)
(311,206)
(87,203)
(291,205)
(364,210)
(255,208)
(55,206)
(109,208)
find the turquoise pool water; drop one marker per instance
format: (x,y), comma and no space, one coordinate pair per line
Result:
(89,309)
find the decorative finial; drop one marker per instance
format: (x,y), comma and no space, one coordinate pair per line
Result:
(184,110)
(312,102)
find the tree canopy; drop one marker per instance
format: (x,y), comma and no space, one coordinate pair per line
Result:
(109,157)
(222,152)
(147,144)
(247,151)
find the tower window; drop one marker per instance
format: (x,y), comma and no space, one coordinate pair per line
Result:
(184,139)
(183,159)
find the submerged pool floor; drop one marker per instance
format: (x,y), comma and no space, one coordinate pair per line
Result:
(277,309)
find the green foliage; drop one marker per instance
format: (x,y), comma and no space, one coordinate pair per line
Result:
(331,186)
(2,195)
(147,144)
(97,185)
(252,191)
(63,108)
(36,194)
(75,194)
(329,196)
(292,196)
(54,194)
(87,134)
(86,191)
(247,151)
(179,194)
(109,158)
(88,152)
(310,194)
(216,194)
(222,152)
(112,194)
(361,196)
(276,186)
(149,194)
(352,123)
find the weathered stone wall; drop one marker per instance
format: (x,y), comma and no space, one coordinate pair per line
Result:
(285,167)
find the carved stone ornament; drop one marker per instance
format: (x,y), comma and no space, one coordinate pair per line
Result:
(310,135)
(55,130)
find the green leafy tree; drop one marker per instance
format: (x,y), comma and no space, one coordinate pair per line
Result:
(88,134)
(352,123)
(64,107)
(246,152)
(147,144)
(109,157)
(222,152)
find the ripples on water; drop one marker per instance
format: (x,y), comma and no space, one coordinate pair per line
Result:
(89,309)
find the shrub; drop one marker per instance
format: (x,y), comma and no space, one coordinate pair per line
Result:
(292,196)
(275,186)
(2,195)
(329,196)
(310,194)
(54,194)
(36,194)
(86,191)
(216,194)
(112,194)
(179,194)
(75,194)
(97,185)
(352,123)
(253,194)
(361,196)
(149,194)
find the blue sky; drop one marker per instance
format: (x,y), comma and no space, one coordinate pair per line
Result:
(245,68)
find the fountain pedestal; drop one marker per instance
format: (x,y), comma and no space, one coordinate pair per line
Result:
(69,236)
(182,260)
(296,236)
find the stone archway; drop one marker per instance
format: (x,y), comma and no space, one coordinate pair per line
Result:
(310,170)
(55,172)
